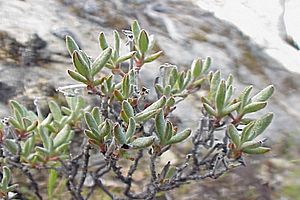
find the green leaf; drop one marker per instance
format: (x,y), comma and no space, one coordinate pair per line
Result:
(118,95)
(126,86)
(32,126)
(229,92)
(135,28)
(230,108)
(187,79)
(124,117)
(117,44)
(102,41)
(105,129)
(153,57)
(159,89)
(196,67)
(125,57)
(214,84)
(15,123)
(28,146)
(206,64)
(229,81)
(157,104)
(145,115)
(91,122)
(119,135)
(127,109)
(55,110)
(259,150)
(91,135)
(44,136)
(199,82)
(80,65)
(263,95)
(61,136)
(160,125)
(260,125)
(220,97)
(6,177)
(11,145)
(171,102)
(143,142)
(168,133)
(167,91)
(65,110)
(131,129)
(254,106)
(71,45)
(143,41)
(209,109)
(233,135)
(47,120)
(179,137)
(51,182)
(251,145)
(97,115)
(244,97)
(18,107)
(100,61)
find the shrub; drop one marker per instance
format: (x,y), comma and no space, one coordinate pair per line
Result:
(126,131)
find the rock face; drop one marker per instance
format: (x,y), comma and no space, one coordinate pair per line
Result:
(273,24)
(182,30)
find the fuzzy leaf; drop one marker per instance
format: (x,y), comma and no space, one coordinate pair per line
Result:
(55,110)
(206,64)
(91,122)
(254,106)
(135,28)
(259,150)
(125,57)
(71,45)
(260,125)
(230,108)
(214,84)
(11,145)
(80,65)
(144,116)
(32,126)
(179,137)
(220,97)
(61,136)
(131,129)
(101,60)
(143,142)
(263,95)
(127,109)
(102,41)
(168,131)
(196,67)
(143,41)
(234,135)
(117,44)
(105,129)
(119,135)
(209,109)
(97,115)
(153,57)
(156,105)
(160,125)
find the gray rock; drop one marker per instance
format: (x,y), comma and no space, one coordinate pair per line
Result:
(183,32)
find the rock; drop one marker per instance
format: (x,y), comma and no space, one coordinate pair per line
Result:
(183,31)
(6,92)
(28,54)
